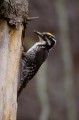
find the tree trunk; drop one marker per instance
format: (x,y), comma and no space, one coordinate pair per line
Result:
(10,53)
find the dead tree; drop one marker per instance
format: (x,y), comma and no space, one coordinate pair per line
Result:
(13,19)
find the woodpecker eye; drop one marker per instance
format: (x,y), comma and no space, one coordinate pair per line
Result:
(49,37)
(50,41)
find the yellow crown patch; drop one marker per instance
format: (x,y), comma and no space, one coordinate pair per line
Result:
(49,33)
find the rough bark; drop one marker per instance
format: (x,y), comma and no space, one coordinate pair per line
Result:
(13,12)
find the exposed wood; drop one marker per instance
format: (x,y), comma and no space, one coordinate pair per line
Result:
(13,15)
(10,52)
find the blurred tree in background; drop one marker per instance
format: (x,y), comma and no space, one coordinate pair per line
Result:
(67,60)
(53,93)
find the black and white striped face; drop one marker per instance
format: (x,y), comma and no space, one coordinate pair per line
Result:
(48,38)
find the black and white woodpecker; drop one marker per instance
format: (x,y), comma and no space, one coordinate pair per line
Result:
(34,58)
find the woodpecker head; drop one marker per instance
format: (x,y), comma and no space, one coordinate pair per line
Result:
(48,38)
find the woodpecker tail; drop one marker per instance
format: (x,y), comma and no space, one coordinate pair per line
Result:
(19,91)
(21,86)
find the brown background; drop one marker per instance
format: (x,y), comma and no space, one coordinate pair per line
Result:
(29,106)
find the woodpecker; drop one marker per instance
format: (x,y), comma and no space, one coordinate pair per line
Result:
(34,58)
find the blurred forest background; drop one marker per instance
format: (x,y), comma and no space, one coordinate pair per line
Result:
(53,92)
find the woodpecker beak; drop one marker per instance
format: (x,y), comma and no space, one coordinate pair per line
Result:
(38,33)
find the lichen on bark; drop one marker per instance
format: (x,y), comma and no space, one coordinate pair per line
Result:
(15,11)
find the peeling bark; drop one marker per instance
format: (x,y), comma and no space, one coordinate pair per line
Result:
(10,52)
(13,12)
